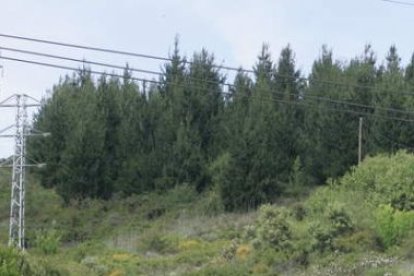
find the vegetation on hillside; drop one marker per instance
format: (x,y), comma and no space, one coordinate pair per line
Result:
(360,224)
(265,135)
(192,175)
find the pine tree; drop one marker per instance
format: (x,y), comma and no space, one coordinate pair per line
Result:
(388,134)
(330,136)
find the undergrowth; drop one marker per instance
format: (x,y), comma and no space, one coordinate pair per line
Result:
(360,224)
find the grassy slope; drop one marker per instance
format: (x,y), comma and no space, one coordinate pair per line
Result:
(179,234)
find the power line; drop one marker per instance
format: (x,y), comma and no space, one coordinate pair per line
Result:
(207,81)
(309,80)
(112,51)
(224,93)
(393,142)
(134,54)
(230,68)
(399,2)
(132,69)
(79,60)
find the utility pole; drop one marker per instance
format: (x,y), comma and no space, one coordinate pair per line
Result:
(360,141)
(19,165)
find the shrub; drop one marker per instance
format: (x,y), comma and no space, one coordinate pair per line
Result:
(211,203)
(299,211)
(229,251)
(335,223)
(359,241)
(340,221)
(13,263)
(273,228)
(323,238)
(385,179)
(297,179)
(392,225)
(48,241)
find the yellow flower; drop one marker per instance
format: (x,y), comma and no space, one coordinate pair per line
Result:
(243,251)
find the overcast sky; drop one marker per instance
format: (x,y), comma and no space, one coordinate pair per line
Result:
(233,30)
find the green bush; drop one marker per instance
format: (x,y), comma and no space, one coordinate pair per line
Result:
(273,228)
(359,241)
(340,221)
(13,263)
(211,203)
(323,238)
(392,225)
(229,252)
(333,224)
(299,211)
(384,179)
(48,241)
(298,179)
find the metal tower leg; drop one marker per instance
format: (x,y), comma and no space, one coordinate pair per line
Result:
(16,232)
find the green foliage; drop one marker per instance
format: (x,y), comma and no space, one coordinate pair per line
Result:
(392,225)
(160,243)
(297,182)
(271,135)
(161,148)
(334,231)
(211,203)
(333,223)
(273,228)
(13,263)
(385,179)
(358,241)
(340,221)
(47,241)
(229,252)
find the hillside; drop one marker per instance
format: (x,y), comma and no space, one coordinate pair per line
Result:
(359,225)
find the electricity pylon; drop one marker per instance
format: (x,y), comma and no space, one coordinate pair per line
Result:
(19,165)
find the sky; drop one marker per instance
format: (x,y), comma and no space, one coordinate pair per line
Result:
(233,30)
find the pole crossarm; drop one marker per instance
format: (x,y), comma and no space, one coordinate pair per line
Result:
(7,128)
(7,99)
(40,165)
(44,134)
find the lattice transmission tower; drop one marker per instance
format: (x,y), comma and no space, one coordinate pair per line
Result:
(18,165)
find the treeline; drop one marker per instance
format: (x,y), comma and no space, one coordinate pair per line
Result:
(266,135)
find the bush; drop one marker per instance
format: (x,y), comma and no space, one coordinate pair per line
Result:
(299,211)
(340,221)
(392,225)
(211,203)
(385,179)
(298,179)
(323,238)
(273,228)
(229,252)
(48,241)
(13,263)
(333,224)
(359,241)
